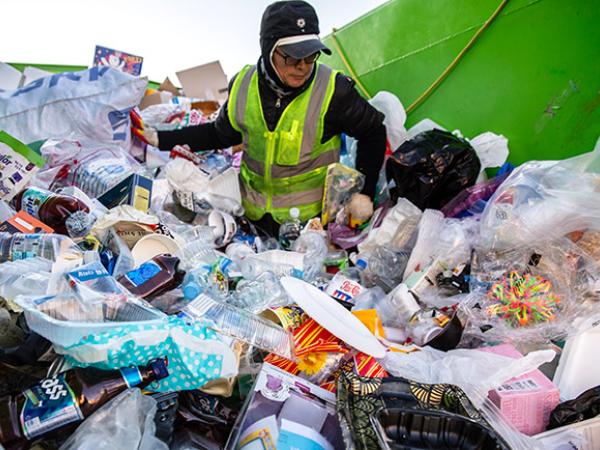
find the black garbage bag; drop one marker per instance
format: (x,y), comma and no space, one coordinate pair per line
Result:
(432,168)
(585,406)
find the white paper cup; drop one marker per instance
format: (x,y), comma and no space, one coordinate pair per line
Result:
(151,245)
(224,226)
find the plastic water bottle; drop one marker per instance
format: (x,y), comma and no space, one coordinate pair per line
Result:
(259,294)
(314,247)
(49,246)
(382,267)
(251,267)
(240,324)
(290,230)
(197,253)
(209,278)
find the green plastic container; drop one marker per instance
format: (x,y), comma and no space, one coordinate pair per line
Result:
(533,75)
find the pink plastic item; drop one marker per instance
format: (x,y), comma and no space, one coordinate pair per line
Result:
(525,401)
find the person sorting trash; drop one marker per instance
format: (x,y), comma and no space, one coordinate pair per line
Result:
(289,111)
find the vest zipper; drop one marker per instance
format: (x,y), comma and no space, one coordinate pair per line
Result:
(278,103)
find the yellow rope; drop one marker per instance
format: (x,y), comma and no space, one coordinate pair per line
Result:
(439,79)
(453,64)
(347,64)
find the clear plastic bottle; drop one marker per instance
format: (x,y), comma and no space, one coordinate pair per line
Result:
(259,294)
(210,278)
(49,246)
(315,250)
(252,266)
(197,253)
(290,230)
(241,324)
(382,266)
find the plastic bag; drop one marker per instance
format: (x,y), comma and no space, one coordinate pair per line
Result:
(585,406)
(474,371)
(432,168)
(93,103)
(533,293)
(544,200)
(124,423)
(340,183)
(196,354)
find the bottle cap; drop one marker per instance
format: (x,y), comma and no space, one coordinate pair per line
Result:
(191,290)
(361,264)
(159,367)
(294,213)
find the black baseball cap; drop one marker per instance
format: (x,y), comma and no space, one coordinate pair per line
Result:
(296,23)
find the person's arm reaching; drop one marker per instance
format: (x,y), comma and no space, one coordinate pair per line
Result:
(207,136)
(353,115)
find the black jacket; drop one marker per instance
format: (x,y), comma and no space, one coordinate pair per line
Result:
(348,113)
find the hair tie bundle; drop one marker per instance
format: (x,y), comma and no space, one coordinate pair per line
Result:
(523,299)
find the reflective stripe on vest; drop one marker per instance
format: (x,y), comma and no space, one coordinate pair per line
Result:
(285,167)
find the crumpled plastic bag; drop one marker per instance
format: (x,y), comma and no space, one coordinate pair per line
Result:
(92,103)
(474,371)
(432,168)
(124,423)
(544,200)
(196,353)
(585,406)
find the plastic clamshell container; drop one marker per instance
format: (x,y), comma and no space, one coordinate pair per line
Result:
(578,370)
(586,432)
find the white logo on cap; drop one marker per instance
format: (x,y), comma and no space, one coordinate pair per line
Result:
(300,22)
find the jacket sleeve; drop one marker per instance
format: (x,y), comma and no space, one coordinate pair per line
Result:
(207,136)
(351,114)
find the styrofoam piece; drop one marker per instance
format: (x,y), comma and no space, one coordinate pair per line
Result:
(578,370)
(578,436)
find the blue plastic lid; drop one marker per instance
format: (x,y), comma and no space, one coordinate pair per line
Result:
(159,367)
(191,290)
(361,264)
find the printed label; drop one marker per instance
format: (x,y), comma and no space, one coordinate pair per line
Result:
(32,201)
(342,288)
(143,273)
(48,405)
(527,384)
(131,375)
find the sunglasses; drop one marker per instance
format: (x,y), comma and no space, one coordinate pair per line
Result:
(289,61)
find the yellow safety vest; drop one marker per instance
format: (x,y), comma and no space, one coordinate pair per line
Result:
(286,167)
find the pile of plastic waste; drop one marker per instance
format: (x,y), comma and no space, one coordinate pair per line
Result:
(141,309)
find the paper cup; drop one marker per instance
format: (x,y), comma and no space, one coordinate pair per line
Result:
(151,245)
(224,227)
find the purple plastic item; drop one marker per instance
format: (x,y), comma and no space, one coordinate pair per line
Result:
(471,195)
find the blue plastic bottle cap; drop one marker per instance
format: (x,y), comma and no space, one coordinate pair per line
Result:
(191,290)
(361,264)
(159,367)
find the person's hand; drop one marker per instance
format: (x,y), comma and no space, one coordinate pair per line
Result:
(359,210)
(147,135)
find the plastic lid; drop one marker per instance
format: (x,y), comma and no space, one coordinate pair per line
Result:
(294,213)
(191,290)
(159,367)
(361,264)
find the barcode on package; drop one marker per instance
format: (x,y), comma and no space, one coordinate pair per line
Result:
(528,384)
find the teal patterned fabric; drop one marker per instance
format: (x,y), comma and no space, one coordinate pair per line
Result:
(196,354)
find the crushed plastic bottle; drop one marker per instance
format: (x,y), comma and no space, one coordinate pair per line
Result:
(314,247)
(290,230)
(382,266)
(210,278)
(241,324)
(265,291)
(197,253)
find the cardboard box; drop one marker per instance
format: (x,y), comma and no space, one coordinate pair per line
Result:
(24,223)
(135,190)
(524,401)
(206,82)
(286,412)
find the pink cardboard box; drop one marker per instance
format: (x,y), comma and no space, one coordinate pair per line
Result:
(525,401)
